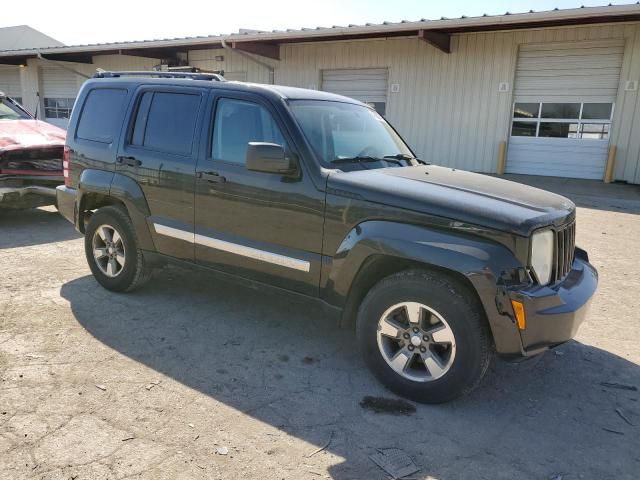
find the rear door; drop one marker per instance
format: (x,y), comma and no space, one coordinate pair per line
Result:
(159,152)
(263,226)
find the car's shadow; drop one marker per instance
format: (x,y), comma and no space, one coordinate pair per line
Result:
(22,228)
(286,365)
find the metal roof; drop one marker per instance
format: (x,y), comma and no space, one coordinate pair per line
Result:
(507,21)
(23,36)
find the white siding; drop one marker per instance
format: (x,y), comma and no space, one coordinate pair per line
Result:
(10,81)
(626,120)
(236,76)
(232,62)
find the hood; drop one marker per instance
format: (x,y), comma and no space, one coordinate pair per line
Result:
(22,134)
(459,195)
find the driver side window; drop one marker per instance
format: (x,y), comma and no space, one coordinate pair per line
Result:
(238,122)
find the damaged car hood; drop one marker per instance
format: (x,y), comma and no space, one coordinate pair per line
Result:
(23,134)
(30,147)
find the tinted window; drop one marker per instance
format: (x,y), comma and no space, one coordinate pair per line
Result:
(560,110)
(558,130)
(236,124)
(524,129)
(137,138)
(597,111)
(171,122)
(526,110)
(102,115)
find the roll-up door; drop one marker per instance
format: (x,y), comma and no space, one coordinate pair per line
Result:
(564,95)
(369,85)
(59,90)
(10,82)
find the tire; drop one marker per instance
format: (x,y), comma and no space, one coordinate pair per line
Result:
(129,271)
(452,332)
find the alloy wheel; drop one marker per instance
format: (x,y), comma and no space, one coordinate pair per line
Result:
(109,250)
(416,341)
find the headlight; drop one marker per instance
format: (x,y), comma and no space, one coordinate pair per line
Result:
(542,255)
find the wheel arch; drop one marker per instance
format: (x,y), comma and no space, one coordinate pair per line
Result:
(376,249)
(98,188)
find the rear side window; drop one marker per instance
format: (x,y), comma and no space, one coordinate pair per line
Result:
(166,122)
(101,116)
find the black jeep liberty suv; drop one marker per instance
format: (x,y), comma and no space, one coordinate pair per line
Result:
(316,194)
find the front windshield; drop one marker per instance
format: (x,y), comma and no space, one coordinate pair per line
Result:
(339,131)
(8,111)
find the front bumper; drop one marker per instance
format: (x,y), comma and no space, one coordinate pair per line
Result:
(554,313)
(66,200)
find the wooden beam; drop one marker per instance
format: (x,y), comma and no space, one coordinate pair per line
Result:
(269,50)
(442,41)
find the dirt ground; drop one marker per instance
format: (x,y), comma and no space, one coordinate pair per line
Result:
(161,383)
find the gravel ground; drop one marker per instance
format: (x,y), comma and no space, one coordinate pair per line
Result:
(160,384)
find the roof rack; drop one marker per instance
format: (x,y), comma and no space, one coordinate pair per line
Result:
(161,74)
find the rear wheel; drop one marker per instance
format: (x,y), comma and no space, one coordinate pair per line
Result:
(423,336)
(112,251)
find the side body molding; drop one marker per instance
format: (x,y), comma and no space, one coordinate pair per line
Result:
(481,261)
(124,189)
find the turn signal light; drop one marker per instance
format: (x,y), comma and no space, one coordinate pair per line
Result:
(518,309)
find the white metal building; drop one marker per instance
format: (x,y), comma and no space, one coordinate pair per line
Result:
(558,88)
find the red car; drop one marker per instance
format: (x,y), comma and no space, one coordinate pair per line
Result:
(31,154)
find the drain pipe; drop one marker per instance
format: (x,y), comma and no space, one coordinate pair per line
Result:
(250,57)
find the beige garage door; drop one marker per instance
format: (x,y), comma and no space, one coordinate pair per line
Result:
(59,90)
(564,97)
(369,85)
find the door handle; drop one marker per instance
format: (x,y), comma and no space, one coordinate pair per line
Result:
(130,161)
(213,177)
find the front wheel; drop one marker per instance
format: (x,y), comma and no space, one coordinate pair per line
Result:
(423,336)
(112,250)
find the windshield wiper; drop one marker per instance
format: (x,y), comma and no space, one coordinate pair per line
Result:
(366,159)
(404,156)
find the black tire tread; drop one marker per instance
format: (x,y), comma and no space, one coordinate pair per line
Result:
(459,293)
(142,273)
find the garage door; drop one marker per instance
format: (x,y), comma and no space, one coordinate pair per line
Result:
(564,96)
(59,90)
(369,85)
(10,82)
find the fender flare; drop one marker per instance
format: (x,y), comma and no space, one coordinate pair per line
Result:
(123,189)
(479,260)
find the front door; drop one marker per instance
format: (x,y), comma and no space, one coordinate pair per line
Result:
(160,152)
(262,226)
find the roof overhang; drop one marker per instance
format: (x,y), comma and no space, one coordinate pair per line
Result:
(435,32)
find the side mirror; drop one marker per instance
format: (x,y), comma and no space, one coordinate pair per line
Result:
(268,158)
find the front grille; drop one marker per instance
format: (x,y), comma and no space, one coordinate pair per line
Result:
(565,250)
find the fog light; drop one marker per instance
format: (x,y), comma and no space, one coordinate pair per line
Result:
(518,309)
